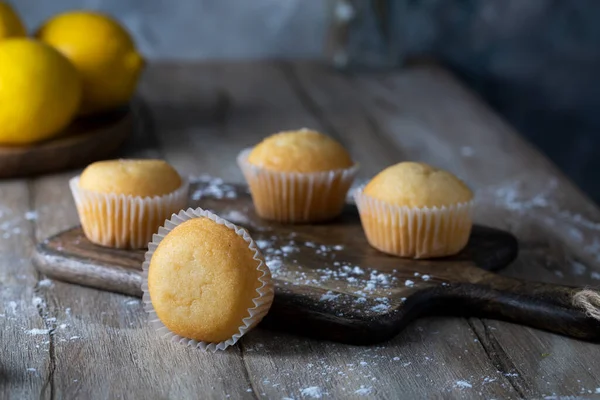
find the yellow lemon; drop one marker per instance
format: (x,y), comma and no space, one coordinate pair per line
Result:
(10,23)
(103,53)
(40,91)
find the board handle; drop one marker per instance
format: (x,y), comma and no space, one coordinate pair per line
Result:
(550,307)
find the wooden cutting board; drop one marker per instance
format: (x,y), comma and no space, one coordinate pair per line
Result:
(331,284)
(86,140)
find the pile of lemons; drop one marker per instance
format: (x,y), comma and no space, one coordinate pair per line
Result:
(77,63)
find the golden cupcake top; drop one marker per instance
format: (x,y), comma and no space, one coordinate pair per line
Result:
(131,177)
(301,151)
(415,184)
(202,279)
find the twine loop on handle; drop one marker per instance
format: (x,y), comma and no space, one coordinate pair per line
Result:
(589,300)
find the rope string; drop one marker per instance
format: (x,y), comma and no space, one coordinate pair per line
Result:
(589,300)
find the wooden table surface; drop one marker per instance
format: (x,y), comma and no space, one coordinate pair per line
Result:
(64,341)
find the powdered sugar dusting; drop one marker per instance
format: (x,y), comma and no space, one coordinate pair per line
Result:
(360,281)
(538,200)
(510,196)
(235,217)
(211,187)
(31,215)
(329,296)
(364,390)
(463,385)
(37,331)
(263,244)
(313,392)
(45,283)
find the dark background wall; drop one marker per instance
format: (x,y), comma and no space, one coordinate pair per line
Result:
(535,61)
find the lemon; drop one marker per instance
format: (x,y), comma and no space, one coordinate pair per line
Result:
(39,91)
(10,23)
(103,53)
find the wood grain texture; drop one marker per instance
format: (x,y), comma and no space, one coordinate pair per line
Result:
(26,364)
(417,113)
(261,100)
(433,118)
(86,140)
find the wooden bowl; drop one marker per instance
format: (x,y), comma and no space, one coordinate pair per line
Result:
(86,140)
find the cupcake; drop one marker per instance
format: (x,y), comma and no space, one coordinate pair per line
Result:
(298,176)
(205,282)
(415,210)
(121,203)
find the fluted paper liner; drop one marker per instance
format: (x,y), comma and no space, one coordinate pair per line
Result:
(124,221)
(264,293)
(297,197)
(417,232)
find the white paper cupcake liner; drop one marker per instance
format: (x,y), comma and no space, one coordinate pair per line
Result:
(124,221)
(412,231)
(297,197)
(262,301)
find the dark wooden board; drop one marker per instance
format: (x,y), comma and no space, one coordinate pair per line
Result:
(86,140)
(331,284)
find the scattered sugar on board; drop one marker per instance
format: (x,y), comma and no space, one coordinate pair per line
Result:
(329,296)
(313,392)
(235,217)
(364,390)
(289,249)
(37,301)
(211,187)
(511,196)
(362,282)
(263,244)
(274,265)
(31,215)
(463,385)
(37,331)
(45,283)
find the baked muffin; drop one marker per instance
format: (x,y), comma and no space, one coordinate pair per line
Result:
(121,203)
(298,176)
(415,210)
(206,283)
